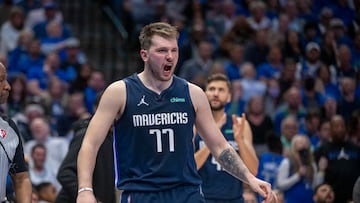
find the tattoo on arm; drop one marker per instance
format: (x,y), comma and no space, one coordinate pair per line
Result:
(233,164)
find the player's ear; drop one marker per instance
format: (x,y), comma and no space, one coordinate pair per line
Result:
(144,54)
(228,98)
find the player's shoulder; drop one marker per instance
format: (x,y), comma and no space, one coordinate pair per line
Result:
(116,86)
(194,89)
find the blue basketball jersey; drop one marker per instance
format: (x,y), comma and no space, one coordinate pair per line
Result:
(217,183)
(153,139)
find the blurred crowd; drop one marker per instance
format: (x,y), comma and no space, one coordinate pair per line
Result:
(294,67)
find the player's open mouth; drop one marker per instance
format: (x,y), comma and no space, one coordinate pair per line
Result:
(167,67)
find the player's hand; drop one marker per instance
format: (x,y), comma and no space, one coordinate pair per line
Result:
(238,127)
(263,189)
(86,197)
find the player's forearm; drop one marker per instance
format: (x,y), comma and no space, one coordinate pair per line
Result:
(246,149)
(201,156)
(248,155)
(233,164)
(23,188)
(85,165)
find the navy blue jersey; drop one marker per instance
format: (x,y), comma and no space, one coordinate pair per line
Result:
(154,138)
(217,183)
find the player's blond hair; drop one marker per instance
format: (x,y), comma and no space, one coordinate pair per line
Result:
(159,28)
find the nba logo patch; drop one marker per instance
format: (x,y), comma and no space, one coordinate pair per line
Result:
(3,133)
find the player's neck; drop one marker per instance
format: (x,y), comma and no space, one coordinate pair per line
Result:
(152,83)
(218,115)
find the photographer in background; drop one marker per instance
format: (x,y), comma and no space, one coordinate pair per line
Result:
(297,174)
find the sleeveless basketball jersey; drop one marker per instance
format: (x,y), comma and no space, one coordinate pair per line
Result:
(217,183)
(154,138)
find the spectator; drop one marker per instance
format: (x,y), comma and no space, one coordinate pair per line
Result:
(80,82)
(280,26)
(270,160)
(44,75)
(339,29)
(343,11)
(344,66)
(257,51)
(196,69)
(54,41)
(324,20)
(257,19)
(198,32)
(50,11)
(240,33)
(96,84)
(273,9)
(237,104)
(329,109)
(33,60)
(273,66)
(298,174)
(292,106)
(287,78)
(309,33)
(272,97)
(328,49)
(56,147)
(292,47)
(289,128)
(28,5)
(310,96)
(38,15)
(75,110)
(349,102)
(47,192)
(40,173)
(306,12)
(17,96)
(5,8)
(324,133)
(292,11)
(311,127)
(342,160)
(224,20)
(11,29)
(55,100)
(251,86)
(23,119)
(72,59)
(310,63)
(323,193)
(326,82)
(21,49)
(234,62)
(34,196)
(260,123)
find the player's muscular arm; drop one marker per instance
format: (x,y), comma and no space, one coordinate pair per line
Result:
(231,162)
(215,141)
